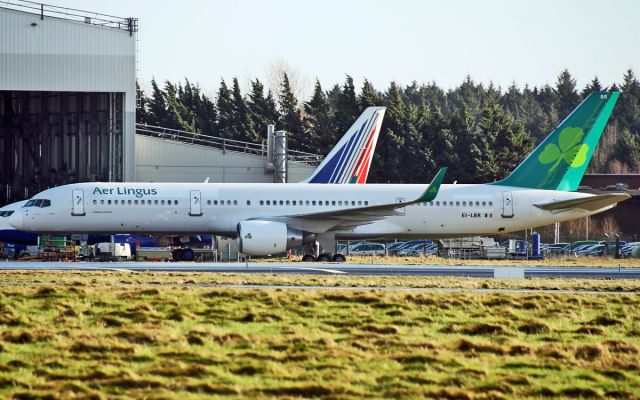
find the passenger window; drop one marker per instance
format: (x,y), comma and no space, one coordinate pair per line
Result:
(353,202)
(287,202)
(457,203)
(307,202)
(281,202)
(313,203)
(169,202)
(161,202)
(208,202)
(484,203)
(129,201)
(102,202)
(366,203)
(95,202)
(340,202)
(437,204)
(235,202)
(134,202)
(248,202)
(294,202)
(477,204)
(175,202)
(156,202)
(268,202)
(215,202)
(464,203)
(359,202)
(333,203)
(109,202)
(491,204)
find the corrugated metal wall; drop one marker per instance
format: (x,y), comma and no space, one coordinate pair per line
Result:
(159,160)
(53,54)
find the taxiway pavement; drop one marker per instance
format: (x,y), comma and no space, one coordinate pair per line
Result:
(477,271)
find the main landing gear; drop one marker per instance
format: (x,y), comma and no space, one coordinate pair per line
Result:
(324,257)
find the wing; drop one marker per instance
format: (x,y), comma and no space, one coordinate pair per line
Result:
(319,222)
(591,203)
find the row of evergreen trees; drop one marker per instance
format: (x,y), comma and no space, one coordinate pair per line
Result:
(480,132)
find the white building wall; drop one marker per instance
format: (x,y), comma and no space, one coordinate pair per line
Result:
(159,160)
(62,55)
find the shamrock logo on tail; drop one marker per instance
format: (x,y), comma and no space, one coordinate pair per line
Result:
(568,149)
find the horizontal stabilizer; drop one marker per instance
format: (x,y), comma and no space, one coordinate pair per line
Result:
(591,203)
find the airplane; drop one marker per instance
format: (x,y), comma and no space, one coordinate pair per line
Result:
(269,219)
(348,162)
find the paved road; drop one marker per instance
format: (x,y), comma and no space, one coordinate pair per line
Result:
(476,271)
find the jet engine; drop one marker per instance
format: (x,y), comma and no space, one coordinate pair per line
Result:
(262,238)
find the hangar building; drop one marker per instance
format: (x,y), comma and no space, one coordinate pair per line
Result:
(67,97)
(68,111)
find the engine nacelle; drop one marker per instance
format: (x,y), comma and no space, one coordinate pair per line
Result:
(262,238)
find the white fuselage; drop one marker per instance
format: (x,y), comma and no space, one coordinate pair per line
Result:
(180,208)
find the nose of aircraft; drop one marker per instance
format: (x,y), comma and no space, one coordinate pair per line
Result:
(17,219)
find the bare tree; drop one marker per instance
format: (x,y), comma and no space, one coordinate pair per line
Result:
(299,83)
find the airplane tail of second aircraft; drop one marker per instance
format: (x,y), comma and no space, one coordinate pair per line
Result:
(559,162)
(350,159)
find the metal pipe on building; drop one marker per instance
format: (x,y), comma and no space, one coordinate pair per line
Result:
(270,130)
(280,157)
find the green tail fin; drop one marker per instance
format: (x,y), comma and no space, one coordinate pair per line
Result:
(559,162)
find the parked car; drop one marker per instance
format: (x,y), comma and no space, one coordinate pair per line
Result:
(405,245)
(392,247)
(597,250)
(368,249)
(428,249)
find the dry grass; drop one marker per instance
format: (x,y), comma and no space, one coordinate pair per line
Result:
(117,335)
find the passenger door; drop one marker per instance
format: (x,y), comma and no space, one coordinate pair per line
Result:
(507,205)
(78,203)
(195,209)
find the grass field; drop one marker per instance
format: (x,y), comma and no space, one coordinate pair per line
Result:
(121,335)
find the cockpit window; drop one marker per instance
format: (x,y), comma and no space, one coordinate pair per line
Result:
(41,203)
(5,213)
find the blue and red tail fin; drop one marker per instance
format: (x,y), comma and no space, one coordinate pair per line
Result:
(349,161)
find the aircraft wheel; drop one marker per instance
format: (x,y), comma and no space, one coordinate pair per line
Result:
(339,258)
(308,258)
(324,257)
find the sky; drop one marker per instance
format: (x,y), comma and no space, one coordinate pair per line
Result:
(499,41)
